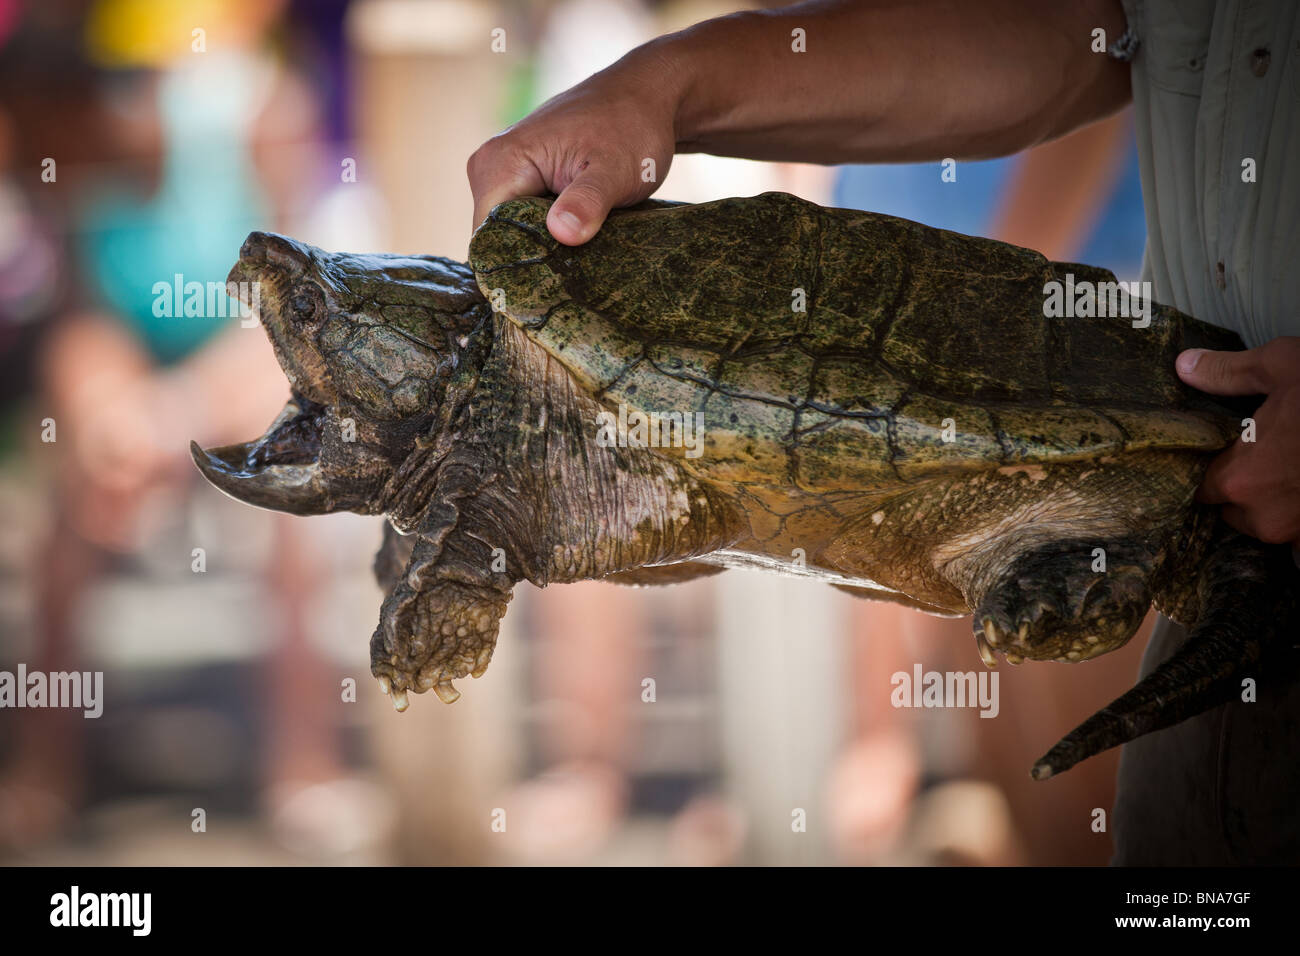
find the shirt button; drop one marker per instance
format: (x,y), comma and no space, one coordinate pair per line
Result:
(1259,61)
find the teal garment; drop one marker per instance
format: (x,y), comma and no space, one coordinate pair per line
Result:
(207,202)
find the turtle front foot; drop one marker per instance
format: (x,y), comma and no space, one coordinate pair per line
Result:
(427,638)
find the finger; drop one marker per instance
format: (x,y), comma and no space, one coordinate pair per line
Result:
(584,204)
(1272,525)
(1237,517)
(1214,485)
(1224,373)
(499,181)
(1281,358)
(1276,525)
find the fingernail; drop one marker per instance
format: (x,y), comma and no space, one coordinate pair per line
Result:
(1187,361)
(570,221)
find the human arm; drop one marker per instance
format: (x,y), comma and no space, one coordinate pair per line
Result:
(879,82)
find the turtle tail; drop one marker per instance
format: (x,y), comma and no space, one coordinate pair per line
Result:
(1246,626)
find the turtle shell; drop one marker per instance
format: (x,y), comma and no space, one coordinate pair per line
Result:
(839,349)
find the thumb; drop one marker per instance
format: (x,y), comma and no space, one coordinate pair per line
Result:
(524,181)
(1223,373)
(582,207)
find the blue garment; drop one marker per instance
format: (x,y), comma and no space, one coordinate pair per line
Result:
(914,191)
(970,203)
(1120,236)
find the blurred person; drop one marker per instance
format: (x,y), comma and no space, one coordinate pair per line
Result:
(205,145)
(987,79)
(32,270)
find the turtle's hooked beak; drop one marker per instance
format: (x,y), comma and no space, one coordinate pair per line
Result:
(280,470)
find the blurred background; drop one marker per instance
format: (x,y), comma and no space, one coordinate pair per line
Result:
(140,140)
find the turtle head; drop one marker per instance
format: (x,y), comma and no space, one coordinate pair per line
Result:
(371,345)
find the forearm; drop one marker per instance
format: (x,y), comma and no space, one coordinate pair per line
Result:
(889,82)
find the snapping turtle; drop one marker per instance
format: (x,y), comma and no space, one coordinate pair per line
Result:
(834,393)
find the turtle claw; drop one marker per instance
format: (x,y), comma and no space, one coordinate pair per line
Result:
(986,640)
(481,662)
(446,691)
(991,632)
(400,703)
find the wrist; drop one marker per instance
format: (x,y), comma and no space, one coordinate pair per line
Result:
(675,67)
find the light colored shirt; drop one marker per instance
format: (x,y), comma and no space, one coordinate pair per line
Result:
(1216,92)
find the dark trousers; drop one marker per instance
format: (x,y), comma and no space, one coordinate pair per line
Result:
(1220,789)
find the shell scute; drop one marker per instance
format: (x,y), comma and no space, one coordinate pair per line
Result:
(829,346)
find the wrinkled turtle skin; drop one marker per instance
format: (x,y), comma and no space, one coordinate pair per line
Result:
(884,406)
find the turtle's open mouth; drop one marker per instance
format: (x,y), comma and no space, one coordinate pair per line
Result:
(293,438)
(281,469)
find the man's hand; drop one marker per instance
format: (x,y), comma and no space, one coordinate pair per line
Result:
(1258,483)
(589,144)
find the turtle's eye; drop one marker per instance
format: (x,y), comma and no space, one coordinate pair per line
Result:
(306,304)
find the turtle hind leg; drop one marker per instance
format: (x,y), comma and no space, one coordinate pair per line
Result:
(1064,601)
(1244,626)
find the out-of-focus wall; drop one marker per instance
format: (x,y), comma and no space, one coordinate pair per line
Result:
(769,736)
